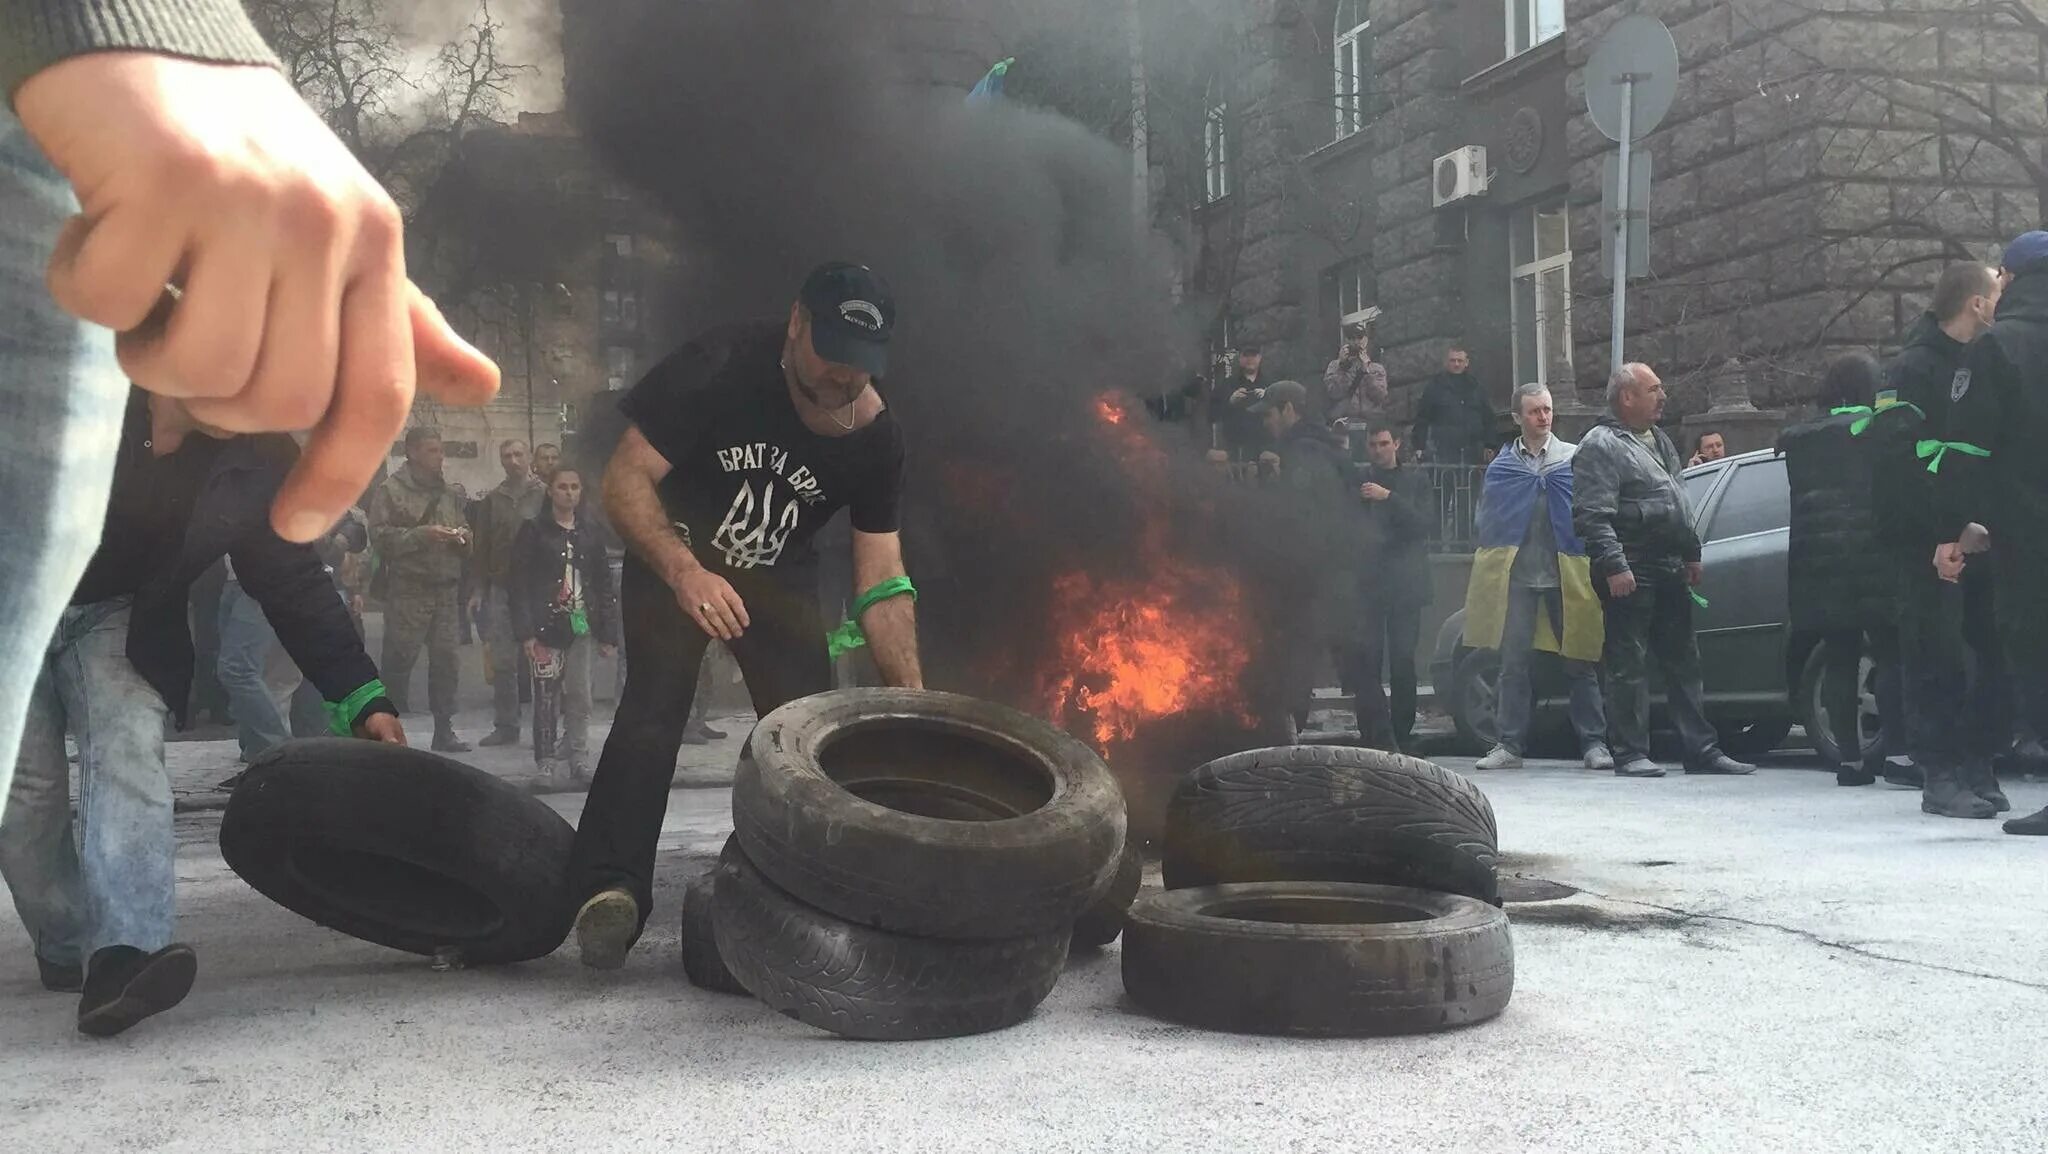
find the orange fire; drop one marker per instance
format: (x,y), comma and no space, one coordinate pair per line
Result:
(1134,650)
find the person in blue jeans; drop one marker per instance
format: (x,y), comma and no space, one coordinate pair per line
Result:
(98,903)
(152,141)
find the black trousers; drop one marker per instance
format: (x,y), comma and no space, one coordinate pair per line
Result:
(782,657)
(1845,652)
(1956,693)
(1654,624)
(1389,640)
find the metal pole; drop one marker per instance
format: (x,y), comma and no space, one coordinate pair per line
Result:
(1141,150)
(531,309)
(1627,80)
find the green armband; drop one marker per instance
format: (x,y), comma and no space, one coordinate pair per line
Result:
(1933,451)
(1697,599)
(341,715)
(849,636)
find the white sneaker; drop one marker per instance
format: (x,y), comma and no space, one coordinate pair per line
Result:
(1599,757)
(1501,758)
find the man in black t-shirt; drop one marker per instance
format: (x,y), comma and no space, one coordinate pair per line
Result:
(743,444)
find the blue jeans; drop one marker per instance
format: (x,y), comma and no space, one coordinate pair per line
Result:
(111,883)
(61,402)
(246,640)
(1517,644)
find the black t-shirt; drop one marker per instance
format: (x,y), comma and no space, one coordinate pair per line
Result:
(752,484)
(149,508)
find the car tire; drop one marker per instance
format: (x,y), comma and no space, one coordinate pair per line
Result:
(1332,814)
(1105,919)
(703,965)
(1321,959)
(402,848)
(928,814)
(1750,740)
(862,982)
(1813,711)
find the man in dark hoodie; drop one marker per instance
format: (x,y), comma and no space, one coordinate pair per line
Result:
(1991,489)
(1943,704)
(1453,422)
(98,903)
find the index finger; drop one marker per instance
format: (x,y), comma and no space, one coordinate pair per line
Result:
(372,395)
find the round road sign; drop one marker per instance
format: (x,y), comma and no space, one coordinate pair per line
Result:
(1639,46)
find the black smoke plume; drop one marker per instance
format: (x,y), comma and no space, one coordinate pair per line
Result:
(780,133)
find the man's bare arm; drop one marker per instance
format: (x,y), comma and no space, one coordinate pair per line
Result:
(891,625)
(634,506)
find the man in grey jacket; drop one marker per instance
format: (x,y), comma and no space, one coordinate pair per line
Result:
(1630,508)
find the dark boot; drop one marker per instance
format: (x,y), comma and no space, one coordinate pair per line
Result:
(59,978)
(1860,775)
(502,735)
(2032,825)
(1979,779)
(1901,773)
(445,740)
(1945,796)
(123,985)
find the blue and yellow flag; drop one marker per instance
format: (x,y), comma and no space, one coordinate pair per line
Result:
(1515,491)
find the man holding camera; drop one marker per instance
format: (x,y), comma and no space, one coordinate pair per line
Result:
(1354,385)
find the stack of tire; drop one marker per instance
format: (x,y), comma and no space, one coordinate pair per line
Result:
(1318,890)
(907,864)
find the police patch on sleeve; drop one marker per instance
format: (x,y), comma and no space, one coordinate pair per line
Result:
(1959,387)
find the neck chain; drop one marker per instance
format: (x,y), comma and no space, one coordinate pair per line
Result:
(845,425)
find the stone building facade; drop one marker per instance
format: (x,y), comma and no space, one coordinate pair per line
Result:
(1821,163)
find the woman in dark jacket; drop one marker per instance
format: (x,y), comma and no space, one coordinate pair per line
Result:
(563,605)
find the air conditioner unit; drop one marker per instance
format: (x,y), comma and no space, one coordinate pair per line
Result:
(1458,175)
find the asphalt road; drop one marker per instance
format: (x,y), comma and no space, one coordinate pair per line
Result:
(1772,964)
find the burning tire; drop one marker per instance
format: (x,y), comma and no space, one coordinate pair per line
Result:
(928,814)
(1333,814)
(402,848)
(1105,919)
(1318,958)
(866,983)
(702,963)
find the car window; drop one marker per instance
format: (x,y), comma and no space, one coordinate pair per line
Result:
(1758,499)
(1697,486)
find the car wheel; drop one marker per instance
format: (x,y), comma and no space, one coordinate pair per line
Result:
(1813,698)
(1749,740)
(1475,699)
(1324,959)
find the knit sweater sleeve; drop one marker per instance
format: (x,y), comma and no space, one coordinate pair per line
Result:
(35,34)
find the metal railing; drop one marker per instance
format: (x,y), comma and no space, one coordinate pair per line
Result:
(1456,502)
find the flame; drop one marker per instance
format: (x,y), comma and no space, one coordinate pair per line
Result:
(1133,650)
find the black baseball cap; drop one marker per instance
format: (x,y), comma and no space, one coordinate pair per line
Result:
(852,314)
(1282,393)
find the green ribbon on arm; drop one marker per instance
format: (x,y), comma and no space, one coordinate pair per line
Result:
(1856,428)
(341,715)
(1933,451)
(850,636)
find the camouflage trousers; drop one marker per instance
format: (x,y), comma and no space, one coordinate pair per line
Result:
(420,613)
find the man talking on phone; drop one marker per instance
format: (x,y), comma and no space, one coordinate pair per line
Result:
(743,444)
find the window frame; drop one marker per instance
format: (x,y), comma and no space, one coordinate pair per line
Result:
(1519,10)
(1348,78)
(1534,270)
(1711,535)
(1215,150)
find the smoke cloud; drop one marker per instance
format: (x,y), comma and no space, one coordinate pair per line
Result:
(780,133)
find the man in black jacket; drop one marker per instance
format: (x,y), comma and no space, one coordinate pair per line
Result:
(1992,476)
(100,909)
(1453,422)
(1237,430)
(1944,706)
(1834,590)
(1397,502)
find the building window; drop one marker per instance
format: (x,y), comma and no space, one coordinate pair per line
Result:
(1354,61)
(610,314)
(621,309)
(1216,150)
(1540,244)
(1531,22)
(620,243)
(619,362)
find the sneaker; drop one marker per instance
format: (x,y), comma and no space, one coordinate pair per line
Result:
(1501,758)
(59,977)
(502,735)
(1945,795)
(1639,767)
(2032,825)
(1598,756)
(1722,765)
(123,985)
(606,927)
(579,769)
(445,741)
(712,734)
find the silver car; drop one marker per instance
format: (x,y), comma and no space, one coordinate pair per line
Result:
(1760,677)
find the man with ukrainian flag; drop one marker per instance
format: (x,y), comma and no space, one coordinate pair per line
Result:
(1532,586)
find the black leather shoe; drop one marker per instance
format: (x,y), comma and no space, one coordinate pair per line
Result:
(706,731)
(60,979)
(445,741)
(123,986)
(1854,777)
(2032,825)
